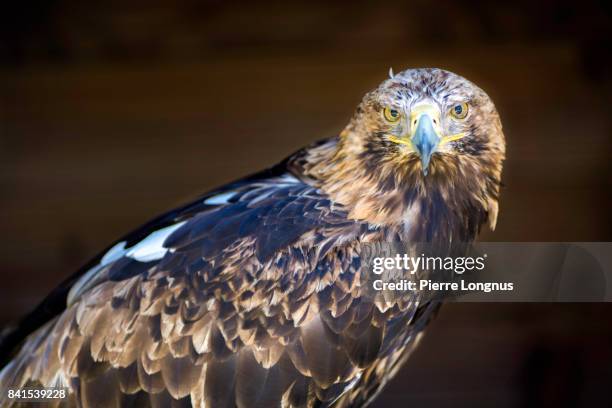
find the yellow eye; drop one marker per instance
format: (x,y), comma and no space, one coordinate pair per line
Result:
(391,115)
(459,111)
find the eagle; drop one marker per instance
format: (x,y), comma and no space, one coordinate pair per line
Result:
(253,294)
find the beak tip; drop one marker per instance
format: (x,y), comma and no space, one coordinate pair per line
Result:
(425,167)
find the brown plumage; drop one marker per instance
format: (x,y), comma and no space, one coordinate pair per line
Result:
(252,295)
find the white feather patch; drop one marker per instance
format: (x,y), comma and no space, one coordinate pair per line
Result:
(149,249)
(86,281)
(152,247)
(116,252)
(219,199)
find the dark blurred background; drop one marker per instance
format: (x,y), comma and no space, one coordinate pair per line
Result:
(112,112)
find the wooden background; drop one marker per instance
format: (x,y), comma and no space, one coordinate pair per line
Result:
(112,113)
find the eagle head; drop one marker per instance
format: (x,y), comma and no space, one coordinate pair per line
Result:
(422,137)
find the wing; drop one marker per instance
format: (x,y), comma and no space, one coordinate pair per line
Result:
(55,303)
(248,297)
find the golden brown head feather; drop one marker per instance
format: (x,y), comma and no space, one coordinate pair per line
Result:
(380,179)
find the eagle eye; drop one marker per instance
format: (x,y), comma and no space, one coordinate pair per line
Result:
(391,115)
(459,111)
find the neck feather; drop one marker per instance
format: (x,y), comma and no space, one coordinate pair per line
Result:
(450,203)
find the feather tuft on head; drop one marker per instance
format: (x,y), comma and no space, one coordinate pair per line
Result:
(391,75)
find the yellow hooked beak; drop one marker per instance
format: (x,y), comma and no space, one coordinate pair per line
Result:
(426,134)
